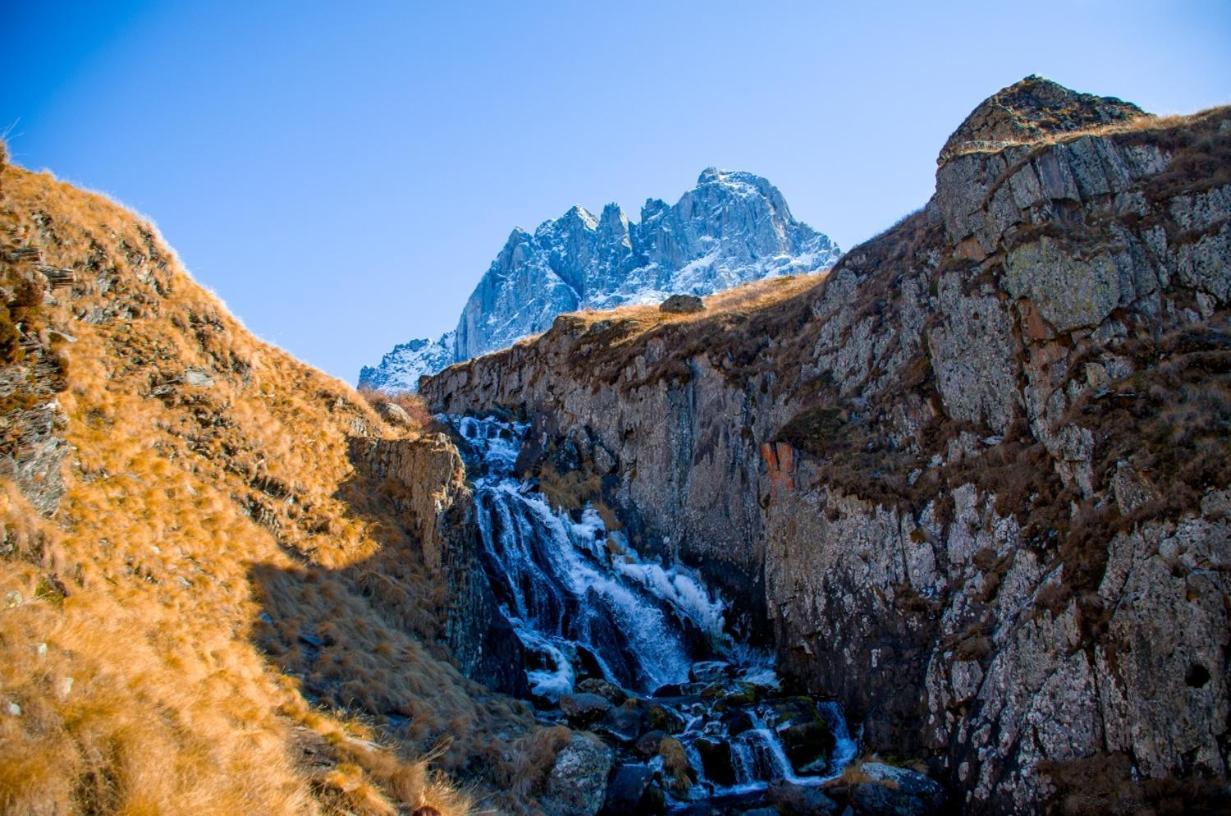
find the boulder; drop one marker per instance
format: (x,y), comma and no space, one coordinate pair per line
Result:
(622,723)
(716,760)
(808,745)
(394,414)
(665,719)
(678,690)
(737,722)
(578,780)
(792,711)
(584,709)
(798,800)
(732,696)
(631,792)
(892,791)
(677,772)
(682,304)
(604,689)
(647,744)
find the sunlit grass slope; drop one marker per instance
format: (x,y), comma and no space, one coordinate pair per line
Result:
(187,556)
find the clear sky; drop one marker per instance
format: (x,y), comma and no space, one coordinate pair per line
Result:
(343,173)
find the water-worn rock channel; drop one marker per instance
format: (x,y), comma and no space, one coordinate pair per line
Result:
(637,653)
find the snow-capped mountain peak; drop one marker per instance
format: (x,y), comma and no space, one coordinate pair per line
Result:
(732,228)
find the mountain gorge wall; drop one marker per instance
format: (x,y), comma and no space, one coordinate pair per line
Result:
(974,483)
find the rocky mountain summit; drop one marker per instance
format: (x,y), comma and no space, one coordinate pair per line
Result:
(1033,110)
(732,228)
(974,482)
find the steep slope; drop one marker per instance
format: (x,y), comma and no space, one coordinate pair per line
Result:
(731,228)
(974,481)
(227,584)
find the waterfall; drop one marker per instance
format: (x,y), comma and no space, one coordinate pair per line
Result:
(576,592)
(584,602)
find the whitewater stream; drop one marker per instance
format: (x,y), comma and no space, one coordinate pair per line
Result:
(589,609)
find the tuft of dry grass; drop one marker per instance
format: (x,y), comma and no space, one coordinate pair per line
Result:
(533,757)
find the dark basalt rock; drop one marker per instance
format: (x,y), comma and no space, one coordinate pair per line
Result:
(792,711)
(665,719)
(808,744)
(737,722)
(647,744)
(584,709)
(716,761)
(893,791)
(632,792)
(608,691)
(678,690)
(796,800)
(622,723)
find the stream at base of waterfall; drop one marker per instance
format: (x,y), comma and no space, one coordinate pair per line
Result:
(635,651)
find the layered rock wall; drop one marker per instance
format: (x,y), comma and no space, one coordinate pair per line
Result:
(424,478)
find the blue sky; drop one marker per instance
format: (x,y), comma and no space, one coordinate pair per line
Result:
(341,174)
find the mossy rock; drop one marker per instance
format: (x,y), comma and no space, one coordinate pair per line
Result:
(808,746)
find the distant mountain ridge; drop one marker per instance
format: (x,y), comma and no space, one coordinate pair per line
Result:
(732,228)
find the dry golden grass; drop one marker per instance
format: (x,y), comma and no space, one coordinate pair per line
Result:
(635,321)
(739,300)
(1144,124)
(151,652)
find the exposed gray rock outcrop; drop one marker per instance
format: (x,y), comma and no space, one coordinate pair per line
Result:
(578,780)
(1032,110)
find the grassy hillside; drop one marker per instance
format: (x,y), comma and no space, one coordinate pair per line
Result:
(203,606)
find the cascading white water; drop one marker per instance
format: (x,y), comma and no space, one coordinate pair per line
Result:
(575,592)
(582,601)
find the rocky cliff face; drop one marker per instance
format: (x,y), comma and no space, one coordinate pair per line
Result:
(732,228)
(422,478)
(974,483)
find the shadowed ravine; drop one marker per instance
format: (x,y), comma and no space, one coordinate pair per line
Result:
(627,647)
